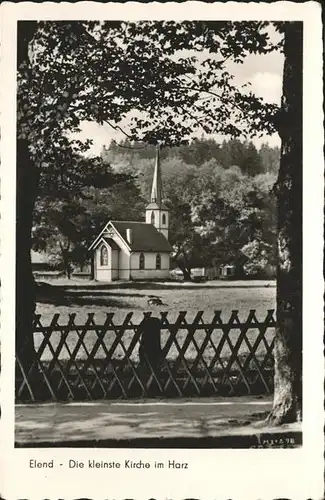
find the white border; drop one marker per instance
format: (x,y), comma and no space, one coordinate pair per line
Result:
(218,474)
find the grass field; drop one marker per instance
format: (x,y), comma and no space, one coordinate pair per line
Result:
(81,297)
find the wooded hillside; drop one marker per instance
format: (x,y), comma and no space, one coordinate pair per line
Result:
(220,198)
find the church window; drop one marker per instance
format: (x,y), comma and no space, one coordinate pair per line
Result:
(103,256)
(158,261)
(141,261)
(152,217)
(164,218)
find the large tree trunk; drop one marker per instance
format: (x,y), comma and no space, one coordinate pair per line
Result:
(25,286)
(66,260)
(288,342)
(27,181)
(92,267)
(186,272)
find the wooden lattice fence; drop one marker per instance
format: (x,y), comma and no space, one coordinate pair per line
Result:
(154,358)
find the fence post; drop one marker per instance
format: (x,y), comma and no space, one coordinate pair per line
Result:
(150,354)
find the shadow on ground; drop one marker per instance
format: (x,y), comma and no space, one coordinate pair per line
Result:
(149,285)
(173,426)
(64,296)
(112,294)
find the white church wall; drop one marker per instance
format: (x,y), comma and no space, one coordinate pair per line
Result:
(124,265)
(118,262)
(162,227)
(115,262)
(150,271)
(149,260)
(103,273)
(149,274)
(165,261)
(109,272)
(148,216)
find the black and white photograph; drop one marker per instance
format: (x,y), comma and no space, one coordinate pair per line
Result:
(159,280)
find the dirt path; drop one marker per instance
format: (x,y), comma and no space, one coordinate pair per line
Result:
(217,422)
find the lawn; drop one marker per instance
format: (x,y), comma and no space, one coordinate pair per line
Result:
(83,297)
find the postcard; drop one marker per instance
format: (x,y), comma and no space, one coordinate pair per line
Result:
(161,251)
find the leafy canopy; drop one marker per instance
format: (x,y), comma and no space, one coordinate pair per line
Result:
(172,76)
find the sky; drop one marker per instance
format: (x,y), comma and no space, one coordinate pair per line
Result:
(264,72)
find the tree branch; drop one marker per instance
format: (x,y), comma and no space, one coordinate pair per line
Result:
(208,91)
(117,127)
(195,119)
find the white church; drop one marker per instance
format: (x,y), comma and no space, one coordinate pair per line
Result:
(130,250)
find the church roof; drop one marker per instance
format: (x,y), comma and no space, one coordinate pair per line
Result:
(154,206)
(111,243)
(145,237)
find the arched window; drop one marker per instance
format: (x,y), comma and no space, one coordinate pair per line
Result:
(164,218)
(152,217)
(158,261)
(103,256)
(141,261)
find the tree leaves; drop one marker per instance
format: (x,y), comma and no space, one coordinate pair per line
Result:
(173,74)
(169,80)
(215,208)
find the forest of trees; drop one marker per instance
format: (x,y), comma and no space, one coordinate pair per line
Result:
(220,198)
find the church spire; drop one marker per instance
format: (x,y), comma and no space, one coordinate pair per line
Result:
(156,211)
(156,190)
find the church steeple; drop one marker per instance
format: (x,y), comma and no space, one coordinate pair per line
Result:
(156,211)
(156,190)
